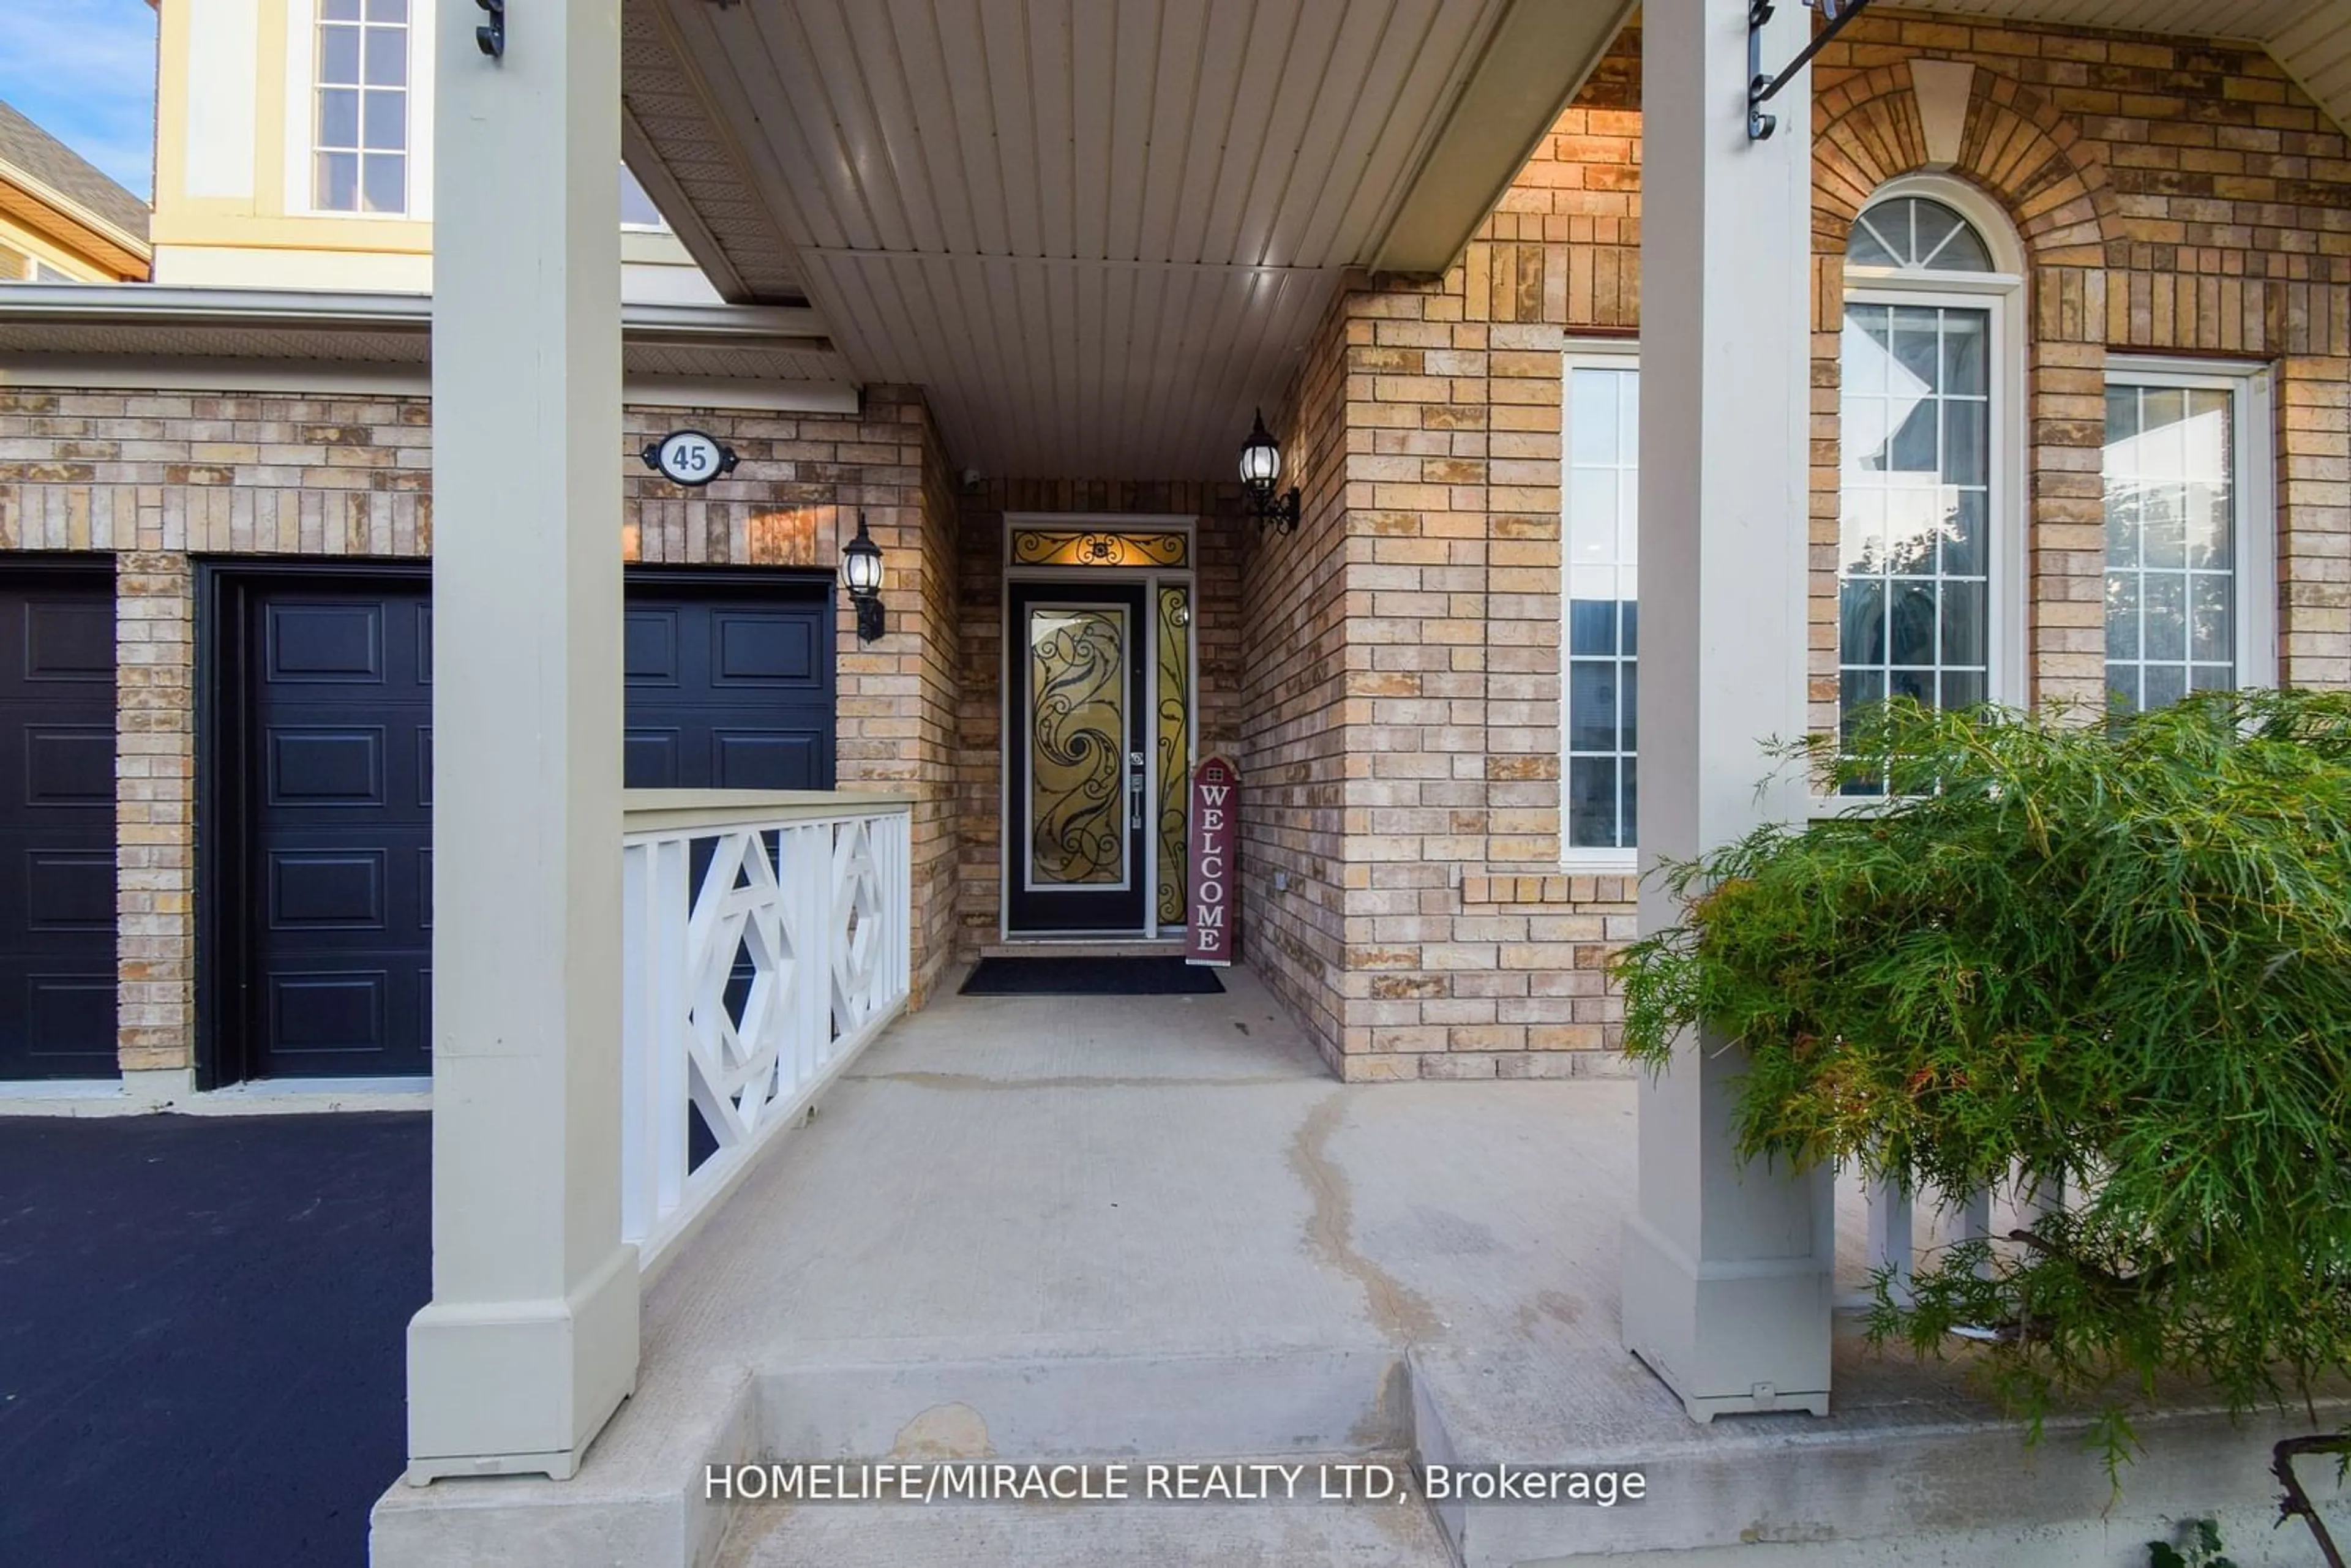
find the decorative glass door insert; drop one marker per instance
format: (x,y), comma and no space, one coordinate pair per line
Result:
(1078,830)
(1078,732)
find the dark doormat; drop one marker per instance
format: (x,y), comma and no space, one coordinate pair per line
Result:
(1090,978)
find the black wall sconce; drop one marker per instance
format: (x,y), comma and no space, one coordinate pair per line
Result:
(1261,467)
(861,573)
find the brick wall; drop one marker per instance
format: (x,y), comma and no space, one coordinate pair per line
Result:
(1304,749)
(156,479)
(979,734)
(2172,197)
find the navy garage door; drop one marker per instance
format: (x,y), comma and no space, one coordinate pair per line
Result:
(56,822)
(729,686)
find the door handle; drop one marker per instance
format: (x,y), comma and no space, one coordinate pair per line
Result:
(1134,791)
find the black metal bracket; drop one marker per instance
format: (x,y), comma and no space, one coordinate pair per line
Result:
(1762,89)
(1276,512)
(869,618)
(492,34)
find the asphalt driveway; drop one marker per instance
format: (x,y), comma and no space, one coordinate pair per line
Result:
(201,1334)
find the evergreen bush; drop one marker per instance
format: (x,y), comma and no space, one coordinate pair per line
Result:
(2115,953)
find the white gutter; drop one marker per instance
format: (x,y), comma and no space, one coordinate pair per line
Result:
(168,305)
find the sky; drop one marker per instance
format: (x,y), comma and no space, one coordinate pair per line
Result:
(83,72)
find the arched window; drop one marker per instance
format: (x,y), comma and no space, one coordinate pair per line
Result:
(1928,521)
(1917,232)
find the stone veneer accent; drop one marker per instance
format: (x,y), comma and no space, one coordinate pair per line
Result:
(157,479)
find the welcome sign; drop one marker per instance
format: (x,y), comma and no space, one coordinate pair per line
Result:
(1216,815)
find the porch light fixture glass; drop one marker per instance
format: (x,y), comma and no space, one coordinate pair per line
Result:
(1261,467)
(861,573)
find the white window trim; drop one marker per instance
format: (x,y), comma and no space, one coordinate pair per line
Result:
(302,115)
(2252,387)
(2004,603)
(1611,354)
(660,225)
(2007,677)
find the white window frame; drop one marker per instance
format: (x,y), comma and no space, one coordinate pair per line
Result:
(2001,293)
(302,115)
(2252,388)
(1605,354)
(660,225)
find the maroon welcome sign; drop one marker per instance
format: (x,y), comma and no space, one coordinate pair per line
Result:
(1215,820)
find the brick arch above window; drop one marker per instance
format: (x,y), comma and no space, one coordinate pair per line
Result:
(2015,145)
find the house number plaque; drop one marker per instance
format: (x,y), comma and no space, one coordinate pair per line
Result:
(689,458)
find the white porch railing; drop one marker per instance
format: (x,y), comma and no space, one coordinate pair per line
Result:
(1891,1239)
(765,942)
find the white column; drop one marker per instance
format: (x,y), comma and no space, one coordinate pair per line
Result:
(531,1341)
(1726,1286)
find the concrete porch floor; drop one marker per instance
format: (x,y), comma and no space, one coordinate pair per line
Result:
(1157,1229)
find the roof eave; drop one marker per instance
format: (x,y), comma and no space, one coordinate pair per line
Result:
(1537,60)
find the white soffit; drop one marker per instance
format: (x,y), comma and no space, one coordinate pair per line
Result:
(1096,232)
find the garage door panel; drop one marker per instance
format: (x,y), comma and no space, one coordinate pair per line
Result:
(68,640)
(766,759)
(337,767)
(331,1014)
(69,890)
(57,982)
(337,889)
(68,1020)
(649,647)
(649,759)
(333,643)
(69,765)
(763,649)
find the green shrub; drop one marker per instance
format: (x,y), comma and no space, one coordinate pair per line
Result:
(2119,953)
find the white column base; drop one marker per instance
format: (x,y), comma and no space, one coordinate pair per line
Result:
(1728,1338)
(513,1388)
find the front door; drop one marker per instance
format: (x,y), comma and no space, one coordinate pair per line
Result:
(1075,843)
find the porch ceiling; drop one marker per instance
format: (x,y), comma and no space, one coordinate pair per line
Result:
(1097,231)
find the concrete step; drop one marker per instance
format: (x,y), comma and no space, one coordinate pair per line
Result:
(1260,1402)
(1301,1533)
(1911,1471)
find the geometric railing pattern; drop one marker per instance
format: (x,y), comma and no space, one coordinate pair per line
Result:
(761,950)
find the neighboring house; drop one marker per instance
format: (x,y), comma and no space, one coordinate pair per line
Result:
(294,150)
(61,221)
(2082,345)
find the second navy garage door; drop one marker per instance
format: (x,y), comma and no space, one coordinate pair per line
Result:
(322,920)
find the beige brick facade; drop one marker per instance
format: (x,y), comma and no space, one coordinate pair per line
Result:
(160,480)
(2171,198)
(1387,678)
